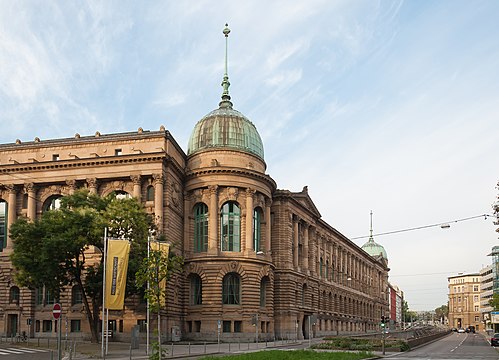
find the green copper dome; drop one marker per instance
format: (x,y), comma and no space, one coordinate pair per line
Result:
(374,249)
(225,128)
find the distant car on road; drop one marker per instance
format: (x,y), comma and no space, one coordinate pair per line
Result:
(470,329)
(494,340)
(453,329)
(460,330)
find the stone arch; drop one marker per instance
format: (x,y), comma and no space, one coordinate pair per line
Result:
(232,267)
(195,268)
(109,187)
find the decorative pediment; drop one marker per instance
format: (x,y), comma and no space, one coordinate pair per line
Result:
(303,199)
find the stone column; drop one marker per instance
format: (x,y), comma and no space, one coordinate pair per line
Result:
(248,243)
(305,248)
(268,227)
(213,221)
(71,186)
(188,247)
(158,200)
(295,243)
(318,258)
(11,212)
(136,186)
(92,185)
(31,190)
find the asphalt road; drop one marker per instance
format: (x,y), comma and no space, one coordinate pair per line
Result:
(453,347)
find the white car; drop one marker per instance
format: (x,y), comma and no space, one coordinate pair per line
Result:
(460,330)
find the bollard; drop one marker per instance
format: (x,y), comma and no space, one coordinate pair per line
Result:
(239,344)
(205,347)
(229,346)
(189,348)
(172,348)
(51,355)
(248,344)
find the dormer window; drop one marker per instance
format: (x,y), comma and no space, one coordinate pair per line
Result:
(118,152)
(55,157)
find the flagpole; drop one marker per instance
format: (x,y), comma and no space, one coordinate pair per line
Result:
(147,316)
(104,294)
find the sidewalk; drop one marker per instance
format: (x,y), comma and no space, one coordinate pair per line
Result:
(122,351)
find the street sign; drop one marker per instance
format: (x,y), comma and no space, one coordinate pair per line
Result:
(56,311)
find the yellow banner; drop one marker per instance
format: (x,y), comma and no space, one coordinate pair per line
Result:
(116,269)
(165,250)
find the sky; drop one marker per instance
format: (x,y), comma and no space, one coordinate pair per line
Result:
(389,106)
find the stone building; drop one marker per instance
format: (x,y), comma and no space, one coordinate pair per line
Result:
(254,254)
(464,301)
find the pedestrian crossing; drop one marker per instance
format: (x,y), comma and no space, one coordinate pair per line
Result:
(18,351)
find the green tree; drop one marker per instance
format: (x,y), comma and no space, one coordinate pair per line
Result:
(155,270)
(56,250)
(408,315)
(494,302)
(442,312)
(495,207)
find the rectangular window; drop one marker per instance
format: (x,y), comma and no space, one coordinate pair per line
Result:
(189,326)
(55,157)
(477,318)
(39,296)
(475,288)
(226,326)
(237,326)
(118,152)
(477,308)
(475,298)
(142,325)
(47,326)
(197,326)
(75,326)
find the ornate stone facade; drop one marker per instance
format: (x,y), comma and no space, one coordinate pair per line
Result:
(249,248)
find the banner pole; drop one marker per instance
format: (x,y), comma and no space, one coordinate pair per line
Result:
(103,355)
(148,312)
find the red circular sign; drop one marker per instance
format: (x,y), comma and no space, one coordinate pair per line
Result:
(56,311)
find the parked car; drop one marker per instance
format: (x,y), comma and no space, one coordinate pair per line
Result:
(494,340)
(453,329)
(460,330)
(470,329)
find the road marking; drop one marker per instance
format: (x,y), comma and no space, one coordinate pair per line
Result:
(460,343)
(17,351)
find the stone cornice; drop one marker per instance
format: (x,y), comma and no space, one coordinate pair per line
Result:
(81,163)
(237,171)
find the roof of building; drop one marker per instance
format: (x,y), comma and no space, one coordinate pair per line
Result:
(374,249)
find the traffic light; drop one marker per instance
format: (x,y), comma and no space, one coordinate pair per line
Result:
(382,320)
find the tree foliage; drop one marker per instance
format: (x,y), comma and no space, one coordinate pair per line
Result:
(55,250)
(442,312)
(494,302)
(495,208)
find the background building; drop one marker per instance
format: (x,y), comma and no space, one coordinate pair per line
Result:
(464,301)
(486,292)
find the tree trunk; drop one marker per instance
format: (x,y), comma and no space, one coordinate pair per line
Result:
(90,314)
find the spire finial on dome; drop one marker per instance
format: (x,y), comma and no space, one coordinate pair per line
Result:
(371,228)
(225,82)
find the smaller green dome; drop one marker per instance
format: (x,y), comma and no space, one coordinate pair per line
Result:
(374,249)
(225,128)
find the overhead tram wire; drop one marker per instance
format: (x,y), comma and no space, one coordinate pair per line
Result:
(443,225)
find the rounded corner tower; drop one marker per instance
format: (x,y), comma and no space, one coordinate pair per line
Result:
(227,226)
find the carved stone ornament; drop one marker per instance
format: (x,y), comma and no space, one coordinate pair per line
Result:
(135,179)
(175,194)
(158,178)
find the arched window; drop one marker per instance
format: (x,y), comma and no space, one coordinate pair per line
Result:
(150,193)
(320,267)
(200,227)
(230,227)
(76,295)
(196,290)
(264,284)
(231,289)
(14,295)
(52,203)
(3,225)
(327,269)
(303,294)
(50,297)
(120,194)
(257,228)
